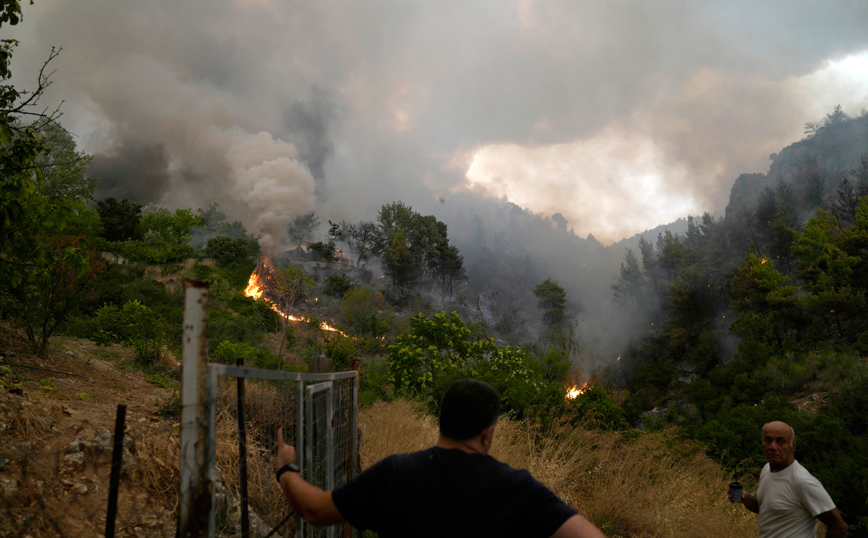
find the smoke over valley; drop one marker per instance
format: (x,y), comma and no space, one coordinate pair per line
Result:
(618,117)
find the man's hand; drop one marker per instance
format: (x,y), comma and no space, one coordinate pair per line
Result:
(283,453)
(750,502)
(314,504)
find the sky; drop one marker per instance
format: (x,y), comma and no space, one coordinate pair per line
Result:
(620,115)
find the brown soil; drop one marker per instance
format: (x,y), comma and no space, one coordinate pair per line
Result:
(73,393)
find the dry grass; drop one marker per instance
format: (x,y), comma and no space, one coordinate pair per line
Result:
(157,469)
(652,486)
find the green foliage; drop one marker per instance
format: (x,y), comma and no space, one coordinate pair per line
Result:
(119,219)
(555,365)
(303,227)
(366,311)
(256,356)
(226,251)
(439,350)
(552,301)
(164,236)
(124,325)
(258,311)
(238,272)
(213,224)
(337,285)
(224,325)
(596,407)
(399,261)
(292,286)
(45,265)
(341,351)
(323,251)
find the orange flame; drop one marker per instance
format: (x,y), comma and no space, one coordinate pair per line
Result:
(255,290)
(575,391)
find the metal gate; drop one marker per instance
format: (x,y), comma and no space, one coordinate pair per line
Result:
(318,413)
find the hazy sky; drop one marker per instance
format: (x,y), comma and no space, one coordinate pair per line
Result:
(621,115)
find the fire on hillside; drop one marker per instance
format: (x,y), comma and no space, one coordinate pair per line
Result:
(575,391)
(258,285)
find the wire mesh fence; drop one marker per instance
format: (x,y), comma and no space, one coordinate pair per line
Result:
(246,406)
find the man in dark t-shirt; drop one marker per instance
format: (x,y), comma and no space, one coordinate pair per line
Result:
(452,489)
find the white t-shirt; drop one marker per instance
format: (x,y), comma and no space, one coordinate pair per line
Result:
(789,502)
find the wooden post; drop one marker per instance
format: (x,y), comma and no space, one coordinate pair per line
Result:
(196,486)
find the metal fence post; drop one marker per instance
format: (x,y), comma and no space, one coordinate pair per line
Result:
(242,454)
(114,481)
(196,487)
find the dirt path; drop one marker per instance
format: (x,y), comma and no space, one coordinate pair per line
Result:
(57,419)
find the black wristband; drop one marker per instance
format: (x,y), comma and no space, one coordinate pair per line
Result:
(288,467)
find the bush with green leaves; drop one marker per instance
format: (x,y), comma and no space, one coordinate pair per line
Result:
(225,250)
(337,285)
(133,324)
(596,407)
(229,352)
(366,311)
(341,351)
(226,325)
(440,349)
(164,236)
(257,310)
(132,321)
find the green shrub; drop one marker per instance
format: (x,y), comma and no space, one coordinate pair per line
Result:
(337,285)
(228,353)
(596,406)
(225,325)
(341,351)
(225,251)
(366,311)
(147,350)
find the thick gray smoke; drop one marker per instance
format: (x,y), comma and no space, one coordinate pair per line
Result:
(618,115)
(135,170)
(391,100)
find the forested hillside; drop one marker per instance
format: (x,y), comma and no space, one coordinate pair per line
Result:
(712,329)
(762,315)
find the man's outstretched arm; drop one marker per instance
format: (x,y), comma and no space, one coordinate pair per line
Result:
(835,525)
(578,527)
(314,504)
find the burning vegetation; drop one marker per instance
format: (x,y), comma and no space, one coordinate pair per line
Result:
(575,391)
(268,284)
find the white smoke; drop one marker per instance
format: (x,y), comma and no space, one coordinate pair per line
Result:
(268,178)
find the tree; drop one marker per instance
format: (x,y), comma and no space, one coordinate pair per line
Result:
(120,220)
(291,285)
(362,238)
(399,261)
(303,227)
(366,311)
(227,251)
(62,167)
(629,288)
(44,269)
(847,203)
(213,223)
(560,221)
(323,251)
(836,117)
(861,175)
(552,301)
(815,190)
